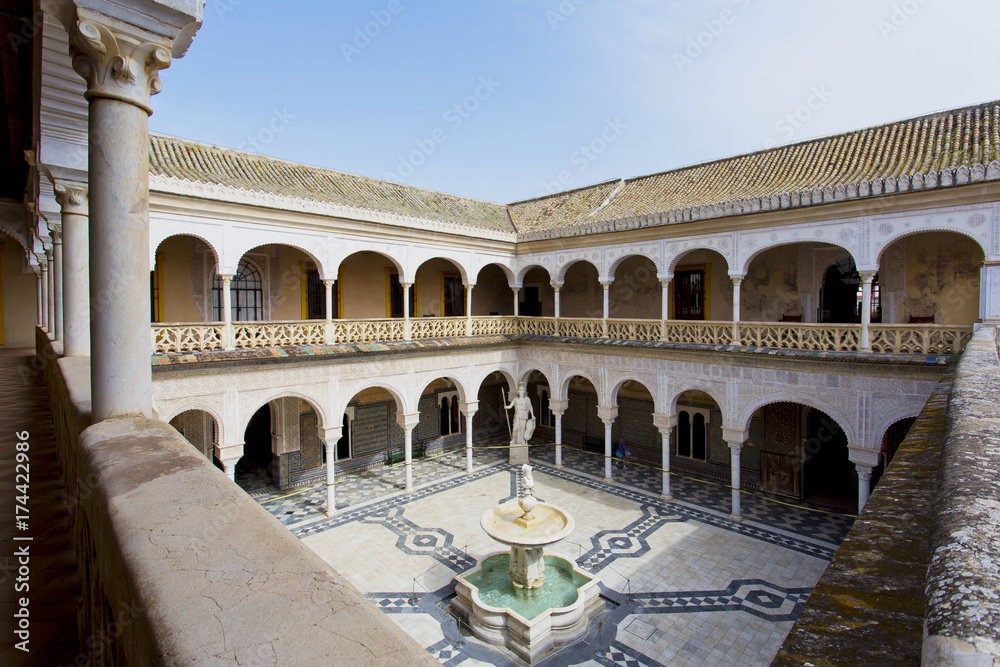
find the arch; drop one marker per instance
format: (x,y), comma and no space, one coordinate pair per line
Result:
(747,412)
(480,377)
(713,393)
(572,373)
(526,373)
(204,406)
(888,422)
(437,254)
(351,392)
(618,261)
(620,382)
(204,239)
(313,402)
(745,268)
(341,260)
(459,387)
(561,272)
(507,271)
(525,270)
(694,247)
(888,241)
(282,241)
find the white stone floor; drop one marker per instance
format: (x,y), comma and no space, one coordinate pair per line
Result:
(683,586)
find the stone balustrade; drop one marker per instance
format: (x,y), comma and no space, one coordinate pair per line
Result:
(962,623)
(927,339)
(180,566)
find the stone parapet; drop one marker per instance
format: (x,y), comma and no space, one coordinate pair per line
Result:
(180,566)
(963,600)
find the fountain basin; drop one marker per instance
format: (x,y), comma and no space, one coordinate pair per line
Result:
(532,623)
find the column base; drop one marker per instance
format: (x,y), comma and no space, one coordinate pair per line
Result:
(667,496)
(735,518)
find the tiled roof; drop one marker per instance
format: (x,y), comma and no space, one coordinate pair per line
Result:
(562,208)
(949,139)
(201,163)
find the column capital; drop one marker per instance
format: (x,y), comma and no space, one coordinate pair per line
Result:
(864,472)
(867,276)
(607,413)
(862,456)
(55,232)
(330,436)
(329,283)
(605,282)
(558,406)
(664,422)
(469,286)
(118,61)
(469,408)
(556,285)
(405,285)
(737,280)
(408,421)
(47,249)
(72,196)
(664,277)
(226,278)
(735,436)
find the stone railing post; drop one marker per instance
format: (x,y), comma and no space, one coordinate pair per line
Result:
(120,63)
(72,198)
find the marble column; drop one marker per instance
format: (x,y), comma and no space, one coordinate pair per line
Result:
(408,422)
(664,304)
(50,300)
(407,330)
(72,198)
(55,231)
(328,335)
(864,485)
(665,424)
(229,455)
(227,311)
(469,408)
(39,297)
(607,414)
(606,284)
(120,65)
(558,409)
(557,312)
(468,308)
(43,278)
(330,436)
(737,281)
(517,304)
(734,463)
(866,310)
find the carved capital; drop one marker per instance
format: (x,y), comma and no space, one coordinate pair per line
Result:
(55,232)
(118,65)
(72,197)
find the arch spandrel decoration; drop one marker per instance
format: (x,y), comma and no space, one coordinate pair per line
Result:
(977,223)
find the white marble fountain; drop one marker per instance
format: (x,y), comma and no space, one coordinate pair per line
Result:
(522,599)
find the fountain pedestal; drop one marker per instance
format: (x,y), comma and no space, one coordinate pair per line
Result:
(522,608)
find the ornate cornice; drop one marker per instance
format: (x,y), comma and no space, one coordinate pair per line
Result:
(72,197)
(226,193)
(117,65)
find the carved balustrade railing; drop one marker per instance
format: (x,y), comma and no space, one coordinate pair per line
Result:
(247,335)
(919,338)
(437,327)
(884,338)
(795,336)
(496,325)
(195,337)
(698,333)
(580,328)
(366,331)
(536,326)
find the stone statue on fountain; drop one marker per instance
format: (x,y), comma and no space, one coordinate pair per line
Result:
(523,426)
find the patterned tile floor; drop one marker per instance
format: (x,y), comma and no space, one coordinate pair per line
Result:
(682,584)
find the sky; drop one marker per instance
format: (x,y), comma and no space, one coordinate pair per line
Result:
(505,101)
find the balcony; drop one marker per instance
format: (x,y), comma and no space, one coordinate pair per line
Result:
(924,339)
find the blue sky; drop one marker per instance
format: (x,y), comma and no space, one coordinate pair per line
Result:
(509,100)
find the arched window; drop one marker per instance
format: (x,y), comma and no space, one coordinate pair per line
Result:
(692,433)
(445,416)
(247,293)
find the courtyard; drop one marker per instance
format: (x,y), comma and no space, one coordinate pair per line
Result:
(681,583)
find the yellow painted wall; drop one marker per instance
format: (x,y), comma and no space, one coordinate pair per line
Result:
(582,295)
(636,292)
(363,285)
(288,279)
(429,286)
(19,297)
(771,287)
(492,293)
(721,287)
(173,261)
(942,278)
